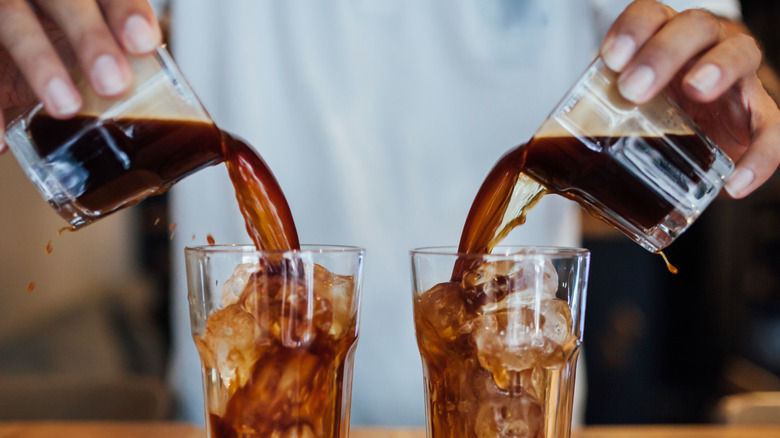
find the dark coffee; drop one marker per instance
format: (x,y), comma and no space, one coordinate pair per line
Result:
(293,380)
(110,163)
(577,169)
(266,212)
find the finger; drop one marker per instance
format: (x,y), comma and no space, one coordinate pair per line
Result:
(25,40)
(672,47)
(638,22)
(762,158)
(134,24)
(721,67)
(96,49)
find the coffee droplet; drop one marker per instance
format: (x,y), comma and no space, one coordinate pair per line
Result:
(669,266)
(49,248)
(210,239)
(30,287)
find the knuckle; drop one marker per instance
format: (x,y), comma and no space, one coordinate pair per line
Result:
(27,45)
(652,7)
(652,4)
(648,8)
(746,41)
(641,19)
(14,15)
(114,8)
(121,9)
(703,20)
(39,61)
(89,36)
(746,49)
(750,45)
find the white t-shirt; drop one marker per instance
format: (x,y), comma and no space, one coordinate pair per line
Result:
(380,119)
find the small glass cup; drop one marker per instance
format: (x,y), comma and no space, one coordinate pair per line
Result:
(647,170)
(499,347)
(116,152)
(276,332)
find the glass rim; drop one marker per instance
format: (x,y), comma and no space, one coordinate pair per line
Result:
(504,251)
(245,248)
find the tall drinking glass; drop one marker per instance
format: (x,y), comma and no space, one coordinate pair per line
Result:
(499,346)
(276,332)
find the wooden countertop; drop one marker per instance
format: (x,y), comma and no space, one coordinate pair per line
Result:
(174,430)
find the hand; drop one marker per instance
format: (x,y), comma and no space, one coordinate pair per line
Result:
(709,66)
(39,38)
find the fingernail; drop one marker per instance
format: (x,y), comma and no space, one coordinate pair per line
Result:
(60,96)
(618,51)
(107,76)
(705,78)
(739,181)
(139,35)
(635,85)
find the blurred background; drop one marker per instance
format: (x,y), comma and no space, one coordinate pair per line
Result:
(84,329)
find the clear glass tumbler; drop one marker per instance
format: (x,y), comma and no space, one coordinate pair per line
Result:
(276,332)
(500,346)
(647,170)
(116,152)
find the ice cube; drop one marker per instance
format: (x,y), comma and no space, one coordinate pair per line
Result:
(491,282)
(232,343)
(489,271)
(443,308)
(235,285)
(488,283)
(286,305)
(516,416)
(338,292)
(557,323)
(517,339)
(503,339)
(536,275)
(532,381)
